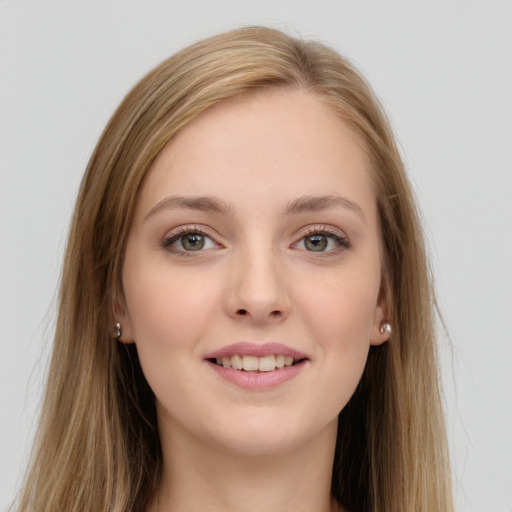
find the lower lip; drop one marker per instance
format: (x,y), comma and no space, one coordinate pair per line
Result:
(258,380)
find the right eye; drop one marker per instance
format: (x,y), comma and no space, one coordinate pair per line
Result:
(189,241)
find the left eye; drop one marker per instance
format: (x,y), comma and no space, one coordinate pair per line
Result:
(189,242)
(321,242)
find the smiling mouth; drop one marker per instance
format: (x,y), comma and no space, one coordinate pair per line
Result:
(256,364)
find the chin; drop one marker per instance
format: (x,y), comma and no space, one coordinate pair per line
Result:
(259,445)
(266,435)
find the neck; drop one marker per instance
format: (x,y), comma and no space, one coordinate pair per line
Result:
(197,476)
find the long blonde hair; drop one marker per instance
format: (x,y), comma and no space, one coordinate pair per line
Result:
(97,447)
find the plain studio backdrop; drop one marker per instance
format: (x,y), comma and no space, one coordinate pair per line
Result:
(443,71)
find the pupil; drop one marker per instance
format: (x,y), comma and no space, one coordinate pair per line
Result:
(316,243)
(193,242)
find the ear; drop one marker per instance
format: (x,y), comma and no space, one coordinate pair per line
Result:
(380,335)
(122,316)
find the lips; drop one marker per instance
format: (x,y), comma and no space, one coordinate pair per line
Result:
(257,366)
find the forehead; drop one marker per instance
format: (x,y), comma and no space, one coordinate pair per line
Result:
(271,146)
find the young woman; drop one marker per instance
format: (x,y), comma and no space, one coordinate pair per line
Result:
(246,315)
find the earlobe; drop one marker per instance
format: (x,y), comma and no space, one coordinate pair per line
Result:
(122,327)
(118,333)
(385,328)
(382,328)
(381,333)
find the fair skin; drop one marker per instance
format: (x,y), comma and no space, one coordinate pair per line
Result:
(256,226)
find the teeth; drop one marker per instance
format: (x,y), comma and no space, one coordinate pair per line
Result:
(253,363)
(237,362)
(249,363)
(267,364)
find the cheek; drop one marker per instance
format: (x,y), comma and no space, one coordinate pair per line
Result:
(170,313)
(340,317)
(342,310)
(168,309)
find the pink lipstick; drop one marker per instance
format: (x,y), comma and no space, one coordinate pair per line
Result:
(257,366)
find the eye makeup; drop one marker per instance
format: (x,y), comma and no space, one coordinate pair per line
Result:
(188,240)
(323,238)
(192,240)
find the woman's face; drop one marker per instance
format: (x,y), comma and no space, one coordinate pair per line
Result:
(255,244)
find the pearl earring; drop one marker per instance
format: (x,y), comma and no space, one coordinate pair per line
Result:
(117,331)
(385,328)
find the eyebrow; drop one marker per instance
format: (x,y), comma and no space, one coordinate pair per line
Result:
(306,204)
(208,204)
(211,204)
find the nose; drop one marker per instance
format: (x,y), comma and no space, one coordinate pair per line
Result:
(258,291)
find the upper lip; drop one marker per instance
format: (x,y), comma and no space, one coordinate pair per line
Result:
(256,349)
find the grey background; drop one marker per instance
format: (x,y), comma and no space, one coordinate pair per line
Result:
(443,71)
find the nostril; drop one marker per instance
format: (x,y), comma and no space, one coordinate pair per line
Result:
(276,313)
(242,312)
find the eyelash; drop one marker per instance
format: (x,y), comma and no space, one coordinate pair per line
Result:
(341,240)
(168,241)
